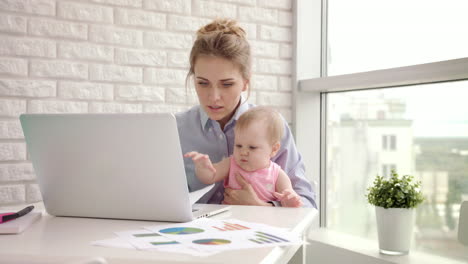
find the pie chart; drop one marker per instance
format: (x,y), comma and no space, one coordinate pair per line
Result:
(211,241)
(181,230)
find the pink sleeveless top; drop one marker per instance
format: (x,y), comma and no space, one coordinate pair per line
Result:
(263,181)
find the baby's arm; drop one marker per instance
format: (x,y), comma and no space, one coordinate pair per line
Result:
(285,193)
(206,171)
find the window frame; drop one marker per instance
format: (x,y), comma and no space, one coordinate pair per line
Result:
(309,61)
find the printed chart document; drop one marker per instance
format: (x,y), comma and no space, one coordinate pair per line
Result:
(204,237)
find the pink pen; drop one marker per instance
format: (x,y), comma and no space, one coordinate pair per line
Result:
(5,217)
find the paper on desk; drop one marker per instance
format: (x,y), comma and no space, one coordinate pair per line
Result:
(186,250)
(195,195)
(213,236)
(142,237)
(203,237)
(115,242)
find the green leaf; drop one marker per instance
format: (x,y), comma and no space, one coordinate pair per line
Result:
(395,192)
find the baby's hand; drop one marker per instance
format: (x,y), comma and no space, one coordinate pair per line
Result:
(202,161)
(289,198)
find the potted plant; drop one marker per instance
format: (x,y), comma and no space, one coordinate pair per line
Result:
(395,199)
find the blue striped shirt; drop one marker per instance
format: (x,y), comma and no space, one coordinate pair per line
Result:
(199,133)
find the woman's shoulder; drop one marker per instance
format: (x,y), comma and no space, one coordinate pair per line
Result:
(189,114)
(187,120)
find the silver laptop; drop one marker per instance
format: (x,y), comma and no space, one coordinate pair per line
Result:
(123,166)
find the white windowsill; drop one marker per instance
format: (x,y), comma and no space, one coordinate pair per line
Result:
(327,246)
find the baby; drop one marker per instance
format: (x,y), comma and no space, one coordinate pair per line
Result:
(257,139)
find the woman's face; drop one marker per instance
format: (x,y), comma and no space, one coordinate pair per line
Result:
(219,84)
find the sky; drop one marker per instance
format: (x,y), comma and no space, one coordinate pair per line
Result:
(400,33)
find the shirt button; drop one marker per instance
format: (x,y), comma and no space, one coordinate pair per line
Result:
(219,194)
(220,136)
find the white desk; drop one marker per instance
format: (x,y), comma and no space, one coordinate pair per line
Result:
(67,240)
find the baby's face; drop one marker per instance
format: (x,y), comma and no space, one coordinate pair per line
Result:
(252,147)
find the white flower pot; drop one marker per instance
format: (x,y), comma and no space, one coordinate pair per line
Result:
(395,229)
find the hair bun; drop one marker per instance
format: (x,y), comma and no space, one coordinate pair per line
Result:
(225,26)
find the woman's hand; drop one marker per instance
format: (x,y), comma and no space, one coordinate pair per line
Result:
(244,196)
(289,198)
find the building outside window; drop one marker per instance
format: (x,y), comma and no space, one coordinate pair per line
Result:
(387,170)
(432,146)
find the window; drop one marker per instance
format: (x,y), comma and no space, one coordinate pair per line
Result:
(430,126)
(372,117)
(388,141)
(373,123)
(433,142)
(365,35)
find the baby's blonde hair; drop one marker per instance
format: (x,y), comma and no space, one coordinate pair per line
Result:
(271,118)
(222,38)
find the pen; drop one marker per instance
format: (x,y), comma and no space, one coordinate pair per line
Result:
(10,216)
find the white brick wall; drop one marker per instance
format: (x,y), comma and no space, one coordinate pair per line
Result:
(60,29)
(12,152)
(85,90)
(112,35)
(11,66)
(85,51)
(16,172)
(59,69)
(85,12)
(140,18)
(108,56)
(26,46)
(15,24)
(39,7)
(10,129)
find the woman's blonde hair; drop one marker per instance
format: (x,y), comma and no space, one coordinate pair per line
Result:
(271,118)
(222,38)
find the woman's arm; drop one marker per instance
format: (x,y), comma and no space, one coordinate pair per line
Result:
(291,162)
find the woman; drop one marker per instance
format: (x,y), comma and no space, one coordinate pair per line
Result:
(220,65)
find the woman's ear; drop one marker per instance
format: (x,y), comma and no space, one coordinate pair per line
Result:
(275,149)
(246,85)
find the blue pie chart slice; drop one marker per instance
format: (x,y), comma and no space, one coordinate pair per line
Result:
(181,230)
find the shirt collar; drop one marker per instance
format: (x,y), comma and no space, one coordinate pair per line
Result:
(203,117)
(244,106)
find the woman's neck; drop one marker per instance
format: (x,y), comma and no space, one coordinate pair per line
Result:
(225,120)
